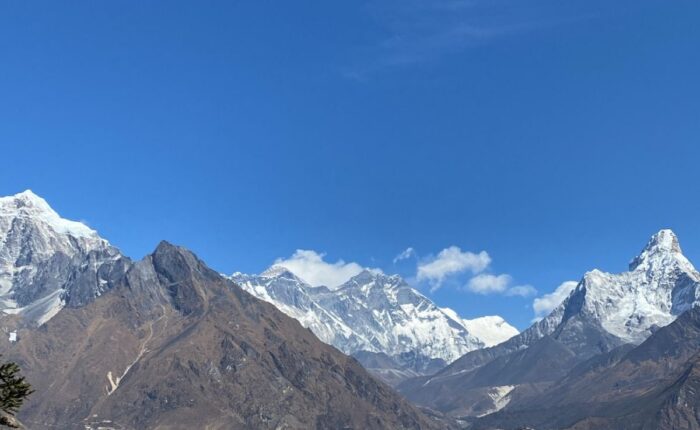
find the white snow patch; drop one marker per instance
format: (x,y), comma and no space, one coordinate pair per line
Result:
(42,309)
(28,205)
(491,330)
(500,396)
(113,383)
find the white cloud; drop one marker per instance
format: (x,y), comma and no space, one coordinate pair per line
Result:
(489,284)
(546,304)
(310,266)
(405,254)
(451,261)
(521,290)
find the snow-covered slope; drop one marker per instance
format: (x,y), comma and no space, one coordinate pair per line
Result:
(491,330)
(294,297)
(660,285)
(47,262)
(376,313)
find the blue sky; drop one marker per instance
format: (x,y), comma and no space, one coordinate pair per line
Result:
(555,136)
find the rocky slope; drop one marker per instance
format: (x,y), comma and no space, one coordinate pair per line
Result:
(389,326)
(174,345)
(603,312)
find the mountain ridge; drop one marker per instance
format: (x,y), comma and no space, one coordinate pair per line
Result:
(373,313)
(603,312)
(175,345)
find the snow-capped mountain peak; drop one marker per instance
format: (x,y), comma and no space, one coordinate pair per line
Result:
(490,329)
(603,312)
(48,262)
(30,206)
(276,271)
(371,277)
(376,313)
(665,240)
(662,251)
(660,285)
(368,280)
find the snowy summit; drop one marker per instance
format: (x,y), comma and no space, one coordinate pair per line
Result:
(44,259)
(376,313)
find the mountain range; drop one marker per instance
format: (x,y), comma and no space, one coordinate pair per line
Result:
(164,342)
(393,329)
(48,263)
(604,316)
(167,342)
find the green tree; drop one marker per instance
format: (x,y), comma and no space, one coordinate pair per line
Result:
(14,390)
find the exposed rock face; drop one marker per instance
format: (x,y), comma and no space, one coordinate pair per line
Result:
(174,345)
(47,262)
(390,327)
(603,312)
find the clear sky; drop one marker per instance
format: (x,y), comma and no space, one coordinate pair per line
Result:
(556,136)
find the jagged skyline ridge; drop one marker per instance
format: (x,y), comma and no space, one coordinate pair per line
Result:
(469,313)
(555,163)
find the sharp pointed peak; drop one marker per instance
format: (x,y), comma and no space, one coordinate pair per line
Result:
(164,245)
(168,251)
(663,243)
(179,262)
(664,239)
(368,274)
(276,271)
(29,194)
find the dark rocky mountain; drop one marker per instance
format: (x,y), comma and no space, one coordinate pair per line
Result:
(174,345)
(655,385)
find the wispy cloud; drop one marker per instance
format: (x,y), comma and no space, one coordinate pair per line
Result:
(451,261)
(418,31)
(405,255)
(546,304)
(465,270)
(487,283)
(521,290)
(311,266)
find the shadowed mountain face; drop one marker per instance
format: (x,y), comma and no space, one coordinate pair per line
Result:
(174,345)
(655,385)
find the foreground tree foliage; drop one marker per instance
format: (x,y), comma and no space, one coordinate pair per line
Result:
(14,390)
